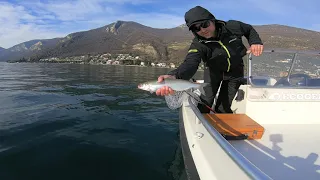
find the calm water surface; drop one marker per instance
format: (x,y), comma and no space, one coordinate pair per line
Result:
(69,121)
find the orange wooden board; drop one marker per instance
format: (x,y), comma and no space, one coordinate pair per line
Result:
(235,125)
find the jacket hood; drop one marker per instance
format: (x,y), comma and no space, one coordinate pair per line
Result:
(196,15)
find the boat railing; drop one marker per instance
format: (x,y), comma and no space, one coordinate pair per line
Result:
(249,168)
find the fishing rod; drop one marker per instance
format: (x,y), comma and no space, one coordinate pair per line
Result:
(199,101)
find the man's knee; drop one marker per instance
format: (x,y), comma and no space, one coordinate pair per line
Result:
(223,109)
(207,101)
(203,109)
(233,88)
(225,99)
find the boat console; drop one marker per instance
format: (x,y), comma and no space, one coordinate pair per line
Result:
(281,83)
(279,99)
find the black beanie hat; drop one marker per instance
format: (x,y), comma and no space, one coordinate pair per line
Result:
(196,15)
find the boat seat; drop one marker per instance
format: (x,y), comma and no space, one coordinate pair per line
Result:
(235,126)
(313,82)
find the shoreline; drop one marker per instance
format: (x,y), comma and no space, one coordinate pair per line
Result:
(100,65)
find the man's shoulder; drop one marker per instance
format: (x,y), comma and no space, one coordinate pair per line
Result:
(198,46)
(221,23)
(232,24)
(234,27)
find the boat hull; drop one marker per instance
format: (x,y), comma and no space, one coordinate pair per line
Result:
(190,168)
(213,156)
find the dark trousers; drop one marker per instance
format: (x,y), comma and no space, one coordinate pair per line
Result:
(230,83)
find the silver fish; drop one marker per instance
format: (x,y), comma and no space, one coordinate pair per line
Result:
(175,84)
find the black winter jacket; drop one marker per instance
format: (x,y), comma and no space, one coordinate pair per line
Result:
(221,54)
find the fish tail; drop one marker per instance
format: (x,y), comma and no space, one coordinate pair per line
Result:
(200,88)
(202,85)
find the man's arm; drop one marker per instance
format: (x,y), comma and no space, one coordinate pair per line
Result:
(250,33)
(255,42)
(190,65)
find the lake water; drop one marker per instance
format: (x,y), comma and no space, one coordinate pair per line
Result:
(70,121)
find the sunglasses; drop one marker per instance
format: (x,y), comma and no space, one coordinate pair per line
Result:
(197,27)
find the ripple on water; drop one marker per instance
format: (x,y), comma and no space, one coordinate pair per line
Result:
(60,116)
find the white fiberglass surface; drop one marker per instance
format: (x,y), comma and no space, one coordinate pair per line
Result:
(285,151)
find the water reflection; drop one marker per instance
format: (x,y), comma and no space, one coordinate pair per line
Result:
(86,118)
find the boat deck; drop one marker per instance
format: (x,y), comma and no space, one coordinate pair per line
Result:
(285,151)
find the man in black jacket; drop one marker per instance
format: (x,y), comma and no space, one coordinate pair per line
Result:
(219,45)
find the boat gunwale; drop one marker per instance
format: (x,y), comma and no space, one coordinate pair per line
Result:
(249,168)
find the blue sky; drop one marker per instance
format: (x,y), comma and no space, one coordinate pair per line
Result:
(41,19)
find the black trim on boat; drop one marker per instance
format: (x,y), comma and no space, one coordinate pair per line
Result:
(190,168)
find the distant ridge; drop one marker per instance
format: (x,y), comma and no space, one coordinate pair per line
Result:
(2,49)
(155,44)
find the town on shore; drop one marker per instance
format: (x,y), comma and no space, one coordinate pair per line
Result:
(271,67)
(108,59)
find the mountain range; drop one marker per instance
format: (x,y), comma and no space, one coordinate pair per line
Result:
(2,49)
(167,45)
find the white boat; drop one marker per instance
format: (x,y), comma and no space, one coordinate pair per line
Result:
(287,108)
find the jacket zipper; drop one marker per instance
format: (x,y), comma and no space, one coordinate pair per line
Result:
(223,46)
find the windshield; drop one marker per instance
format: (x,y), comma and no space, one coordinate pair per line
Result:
(285,69)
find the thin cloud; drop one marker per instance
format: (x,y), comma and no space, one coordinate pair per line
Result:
(272,7)
(20,26)
(29,20)
(37,20)
(287,12)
